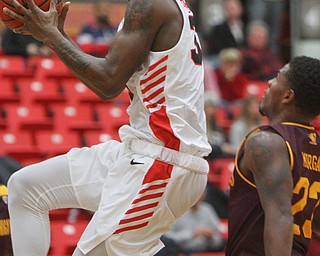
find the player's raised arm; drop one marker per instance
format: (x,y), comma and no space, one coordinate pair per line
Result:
(107,76)
(266,156)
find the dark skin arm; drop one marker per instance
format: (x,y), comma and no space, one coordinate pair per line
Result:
(145,22)
(266,161)
(316,221)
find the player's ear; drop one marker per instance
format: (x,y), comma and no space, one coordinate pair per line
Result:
(289,96)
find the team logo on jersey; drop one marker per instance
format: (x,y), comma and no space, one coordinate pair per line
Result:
(313,138)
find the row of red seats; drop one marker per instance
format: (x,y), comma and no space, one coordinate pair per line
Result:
(45,110)
(28,132)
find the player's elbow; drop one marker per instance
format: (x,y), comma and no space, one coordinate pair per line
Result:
(109,90)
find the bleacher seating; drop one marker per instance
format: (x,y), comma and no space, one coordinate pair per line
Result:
(64,236)
(45,110)
(9,93)
(43,91)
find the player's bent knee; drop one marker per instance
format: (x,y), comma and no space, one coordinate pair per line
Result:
(18,184)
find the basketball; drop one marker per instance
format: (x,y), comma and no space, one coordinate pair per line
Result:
(11,23)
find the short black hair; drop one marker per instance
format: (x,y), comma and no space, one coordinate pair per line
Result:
(304,78)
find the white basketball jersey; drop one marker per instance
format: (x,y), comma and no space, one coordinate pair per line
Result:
(167,106)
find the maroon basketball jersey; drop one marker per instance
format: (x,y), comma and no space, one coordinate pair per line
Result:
(246,216)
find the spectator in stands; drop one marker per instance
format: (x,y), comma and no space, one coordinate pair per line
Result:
(23,45)
(198,230)
(250,118)
(99,31)
(259,63)
(230,33)
(271,12)
(216,135)
(230,79)
(5,239)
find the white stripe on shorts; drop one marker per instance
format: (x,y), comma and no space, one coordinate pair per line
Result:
(170,156)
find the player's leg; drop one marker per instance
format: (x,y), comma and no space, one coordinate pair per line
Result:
(33,191)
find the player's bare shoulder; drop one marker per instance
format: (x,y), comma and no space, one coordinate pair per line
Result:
(155,19)
(139,15)
(263,149)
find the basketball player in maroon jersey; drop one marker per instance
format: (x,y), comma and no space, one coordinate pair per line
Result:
(275,187)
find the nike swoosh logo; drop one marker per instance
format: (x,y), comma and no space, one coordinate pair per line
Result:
(132,162)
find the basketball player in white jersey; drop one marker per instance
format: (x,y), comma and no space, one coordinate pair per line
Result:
(139,186)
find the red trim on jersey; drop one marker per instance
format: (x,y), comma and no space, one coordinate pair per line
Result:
(160,125)
(157,73)
(154,105)
(153,66)
(141,217)
(159,172)
(141,208)
(153,95)
(153,187)
(147,197)
(131,228)
(154,84)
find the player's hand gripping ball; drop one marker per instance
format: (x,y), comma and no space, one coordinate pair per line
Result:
(12,23)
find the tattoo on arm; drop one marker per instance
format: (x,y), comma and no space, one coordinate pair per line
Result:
(139,15)
(267,161)
(259,154)
(74,60)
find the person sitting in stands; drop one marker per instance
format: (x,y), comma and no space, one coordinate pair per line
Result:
(23,45)
(259,63)
(198,230)
(230,79)
(229,33)
(100,31)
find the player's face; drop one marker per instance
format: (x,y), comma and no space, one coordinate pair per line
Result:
(271,103)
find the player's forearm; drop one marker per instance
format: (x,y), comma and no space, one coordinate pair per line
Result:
(278,236)
(90,70)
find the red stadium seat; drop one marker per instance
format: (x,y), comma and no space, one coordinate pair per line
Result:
(64,236)
(77,92)
(19,145)
(51,67)
(112,116)
(45,91)
(55,143)
(74,117)
(14,67)
(95,137)
(23,117)
(9,93)
(220,172)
